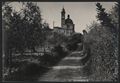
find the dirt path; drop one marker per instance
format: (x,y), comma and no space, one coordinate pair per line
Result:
(68,69)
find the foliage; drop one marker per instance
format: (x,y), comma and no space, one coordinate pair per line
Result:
(104,50)
(58,49)
(51,59)
(23,28)
(57,39)
(27,71)
(73,41)
(114,14)
(104,18)
(47,60)
(32,16)
(59,53)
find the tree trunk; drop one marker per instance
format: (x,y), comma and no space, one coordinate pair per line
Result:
(10,61)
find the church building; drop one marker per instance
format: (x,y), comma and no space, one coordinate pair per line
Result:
(67,25)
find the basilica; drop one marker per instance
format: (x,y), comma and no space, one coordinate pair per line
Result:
(67,25)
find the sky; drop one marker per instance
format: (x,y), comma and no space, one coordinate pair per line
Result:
(82,13)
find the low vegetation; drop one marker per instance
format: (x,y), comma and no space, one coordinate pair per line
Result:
(103,41)
(26,71)
(72,43)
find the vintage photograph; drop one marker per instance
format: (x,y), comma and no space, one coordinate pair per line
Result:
(60,41)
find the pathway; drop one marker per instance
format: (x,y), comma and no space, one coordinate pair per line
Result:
(69,69)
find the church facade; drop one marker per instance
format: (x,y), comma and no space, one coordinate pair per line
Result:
(67,25)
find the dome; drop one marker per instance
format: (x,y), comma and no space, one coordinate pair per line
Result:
(68,20)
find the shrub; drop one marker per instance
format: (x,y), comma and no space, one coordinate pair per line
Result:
(47,60)
(27,71)
(102,54)
(73,41)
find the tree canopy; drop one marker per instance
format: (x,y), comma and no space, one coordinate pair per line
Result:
(23,28)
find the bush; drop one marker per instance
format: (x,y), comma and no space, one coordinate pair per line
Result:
(51,59)
(27,71)
(103,52)
(47,60)
(59,51)
(73,41)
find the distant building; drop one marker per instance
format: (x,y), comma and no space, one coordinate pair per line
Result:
(67,25)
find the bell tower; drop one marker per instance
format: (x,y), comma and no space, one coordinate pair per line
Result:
(63,17)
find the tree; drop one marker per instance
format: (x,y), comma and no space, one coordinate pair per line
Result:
(6,16)
(22,30)
(32,16)
(104,18)
(24,27)
(114,15)
(104,46)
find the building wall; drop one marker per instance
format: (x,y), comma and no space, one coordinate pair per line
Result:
(67,31)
